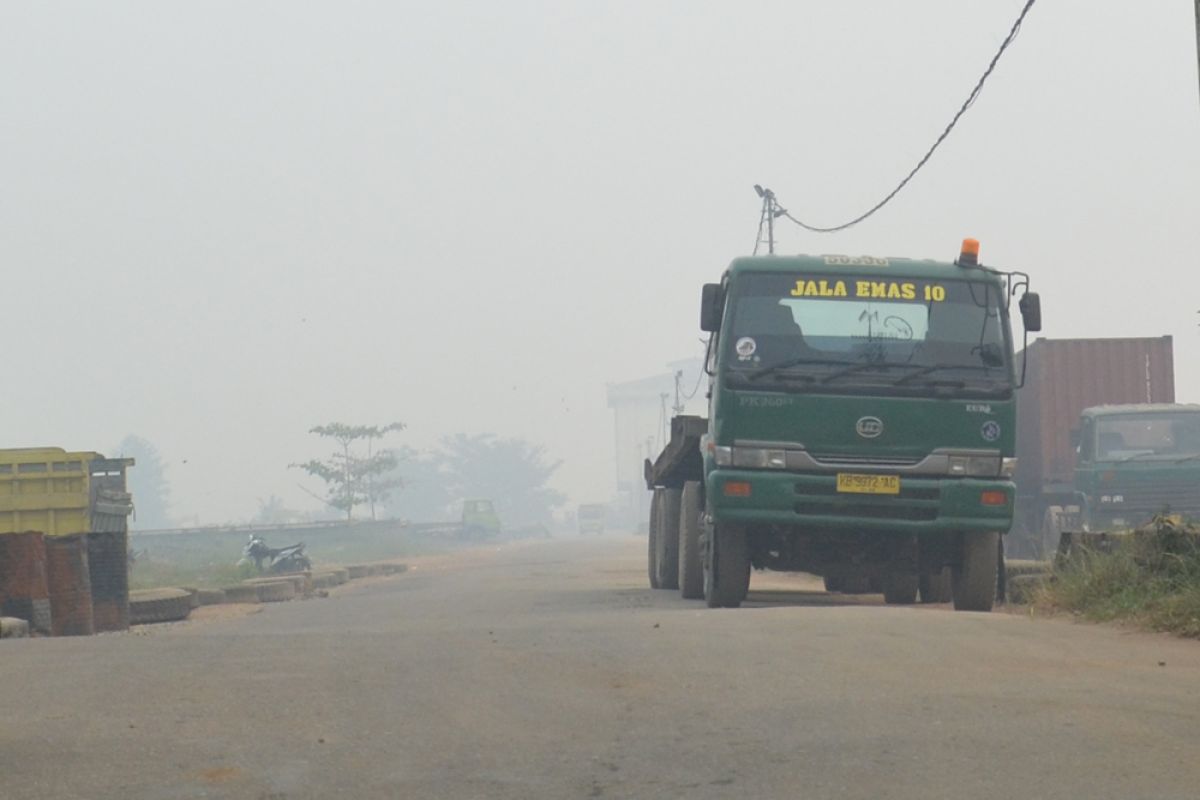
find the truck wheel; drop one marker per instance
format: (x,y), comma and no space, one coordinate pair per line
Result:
(668,539)
(726,567)
(935,586)
(900,587)
(653,539)
(1052,528)
(691,569)
(975,578)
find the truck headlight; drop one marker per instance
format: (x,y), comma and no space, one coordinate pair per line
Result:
(975,466)
(759,458)
(723,456)
(1008,467)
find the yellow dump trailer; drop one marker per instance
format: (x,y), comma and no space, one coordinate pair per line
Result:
(46,489)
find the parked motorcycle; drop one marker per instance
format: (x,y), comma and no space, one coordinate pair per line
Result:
(277,560)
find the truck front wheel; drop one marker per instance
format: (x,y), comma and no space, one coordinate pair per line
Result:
(726,567)
(652,559)
(974,577)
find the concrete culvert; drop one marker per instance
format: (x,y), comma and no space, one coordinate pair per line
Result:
(276,592)
(159,605)
(210,597)
(244,593)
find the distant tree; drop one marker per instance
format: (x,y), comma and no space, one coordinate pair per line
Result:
(147,482)
(351,478)
(512,473)
(272,511)
(427,495)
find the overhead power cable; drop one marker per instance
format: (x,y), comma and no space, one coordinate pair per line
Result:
(1012,34)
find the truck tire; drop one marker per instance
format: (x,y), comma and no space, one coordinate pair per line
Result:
(1052,528)
(726,567)
(667,559)
(975,576)
(935,586)
(691,568)
(652,558)
(900,587)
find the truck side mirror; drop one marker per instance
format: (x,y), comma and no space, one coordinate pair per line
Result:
(712,301)
(1031,311)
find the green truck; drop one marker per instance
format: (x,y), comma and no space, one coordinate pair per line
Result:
(479,520)
(1102,444)
(861,427)
(1132,462)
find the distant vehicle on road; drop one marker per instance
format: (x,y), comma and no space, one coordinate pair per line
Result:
(479,520)
(590,518)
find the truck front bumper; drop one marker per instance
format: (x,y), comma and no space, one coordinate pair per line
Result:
(813,502)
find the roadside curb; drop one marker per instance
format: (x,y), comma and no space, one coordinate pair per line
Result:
(171,604)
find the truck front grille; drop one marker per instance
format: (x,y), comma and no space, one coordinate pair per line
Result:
(834,460)
(1175,496)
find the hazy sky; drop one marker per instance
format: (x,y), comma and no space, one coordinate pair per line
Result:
(222,223)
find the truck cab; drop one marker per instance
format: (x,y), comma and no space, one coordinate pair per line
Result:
(861,427)
(1135,461)
(479,520)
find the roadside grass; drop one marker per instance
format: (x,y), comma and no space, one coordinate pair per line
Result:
(210,561)
(148,574)
(1151,578)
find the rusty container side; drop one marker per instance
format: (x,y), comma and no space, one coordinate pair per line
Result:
(24,592)
(70,585)
(108,571)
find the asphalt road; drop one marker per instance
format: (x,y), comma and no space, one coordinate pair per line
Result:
(548,670)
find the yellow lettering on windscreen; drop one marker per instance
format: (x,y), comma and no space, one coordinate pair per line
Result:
(885,290)
(820,289)
(870,290)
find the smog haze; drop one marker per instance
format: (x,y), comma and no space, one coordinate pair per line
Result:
(225,223)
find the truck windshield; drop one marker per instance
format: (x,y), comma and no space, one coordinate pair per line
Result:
(1121,437)
(867,330)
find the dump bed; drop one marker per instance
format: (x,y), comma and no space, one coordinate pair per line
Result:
(680,460)
(1065,376)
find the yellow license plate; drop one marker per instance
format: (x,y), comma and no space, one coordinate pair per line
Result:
(868,484)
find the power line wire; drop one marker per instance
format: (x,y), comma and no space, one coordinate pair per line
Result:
(970,101)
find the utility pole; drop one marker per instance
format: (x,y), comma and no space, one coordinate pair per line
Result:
(678,407)
(1198,37)
(770,210)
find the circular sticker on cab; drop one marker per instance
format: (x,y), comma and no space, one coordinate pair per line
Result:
(990,430)
(745,347)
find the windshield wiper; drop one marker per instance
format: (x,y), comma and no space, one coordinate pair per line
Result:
(863,367)
(1137,456)
(1192,457)
(934,368)
(791,362)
